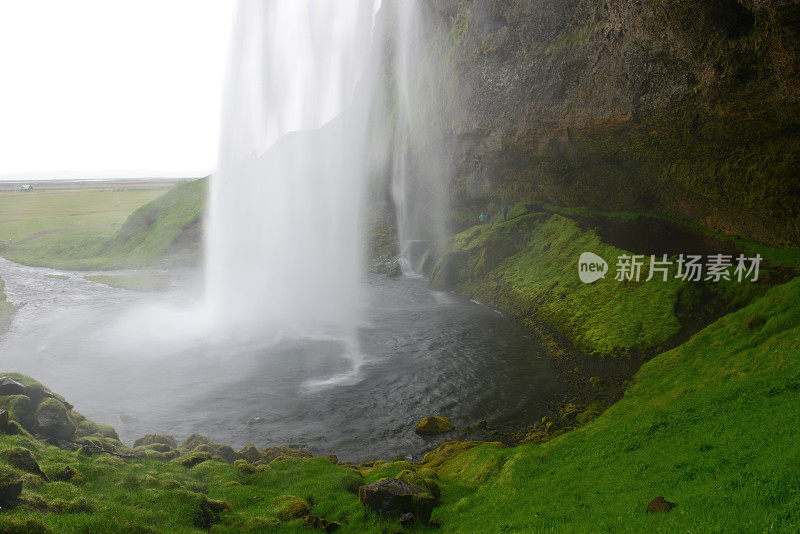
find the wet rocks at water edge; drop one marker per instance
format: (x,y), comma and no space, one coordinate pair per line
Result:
(398,499)
(433,424)
(660,505)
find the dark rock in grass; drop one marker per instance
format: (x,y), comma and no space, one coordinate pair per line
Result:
(24,460)
(250,453)
(659,505)
(394,498)
(52,420)
(433,424)
(156,439)
(275,453)
(9,386)
(208,512)
(65,475)
(67,445)
(198,443)
(3,421)
(10,488)
(321,524)
(194,459)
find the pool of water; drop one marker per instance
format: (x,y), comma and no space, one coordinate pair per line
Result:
(137,362)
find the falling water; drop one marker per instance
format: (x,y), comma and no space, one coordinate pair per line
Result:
(422,94)
(284,251)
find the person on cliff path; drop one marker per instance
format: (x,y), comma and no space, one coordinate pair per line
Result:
(505,213)
(481,218)
(488,216)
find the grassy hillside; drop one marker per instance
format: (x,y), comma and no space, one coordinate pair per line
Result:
(159,226)
(170,226)
(710,425)
(528,267)
(63,224)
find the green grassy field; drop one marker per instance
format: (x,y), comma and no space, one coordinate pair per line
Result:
(82,225)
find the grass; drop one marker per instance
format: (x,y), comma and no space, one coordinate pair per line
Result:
(134,282)
(7,310)
(710,425)
(87,228)
(528,266)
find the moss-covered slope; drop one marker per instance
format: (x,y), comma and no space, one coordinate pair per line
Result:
(528,267)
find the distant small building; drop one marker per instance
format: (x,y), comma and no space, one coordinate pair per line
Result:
(26,187)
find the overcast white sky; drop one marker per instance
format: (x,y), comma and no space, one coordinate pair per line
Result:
(111,87)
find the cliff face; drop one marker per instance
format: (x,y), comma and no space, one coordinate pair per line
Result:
(684,108)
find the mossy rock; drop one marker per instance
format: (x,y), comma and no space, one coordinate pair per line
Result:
(201,444)
(245,467)
(427,483)
(271,454)
(291,507)
(53,421)
(395,498)
(10,486)
(23,460)
(433,424)
(156,439)
(208,512)
(20,409)
(250,454)
(196,458)
(86,428)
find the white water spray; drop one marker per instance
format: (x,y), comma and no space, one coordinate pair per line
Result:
(284,246)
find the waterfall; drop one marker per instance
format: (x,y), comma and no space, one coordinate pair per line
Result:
(283,238)
(422,95)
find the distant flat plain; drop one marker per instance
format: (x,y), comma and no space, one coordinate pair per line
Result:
(59,217)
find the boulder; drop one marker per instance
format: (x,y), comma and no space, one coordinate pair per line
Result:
(659,505)
(156,439)
(433,424)
(201,444)
(20,409)
(395,498)
(52,420)
(313,521)
(194,459)
(273,453)
(10,488)
(9,386)
(250,454)
(23,459)
(65,475)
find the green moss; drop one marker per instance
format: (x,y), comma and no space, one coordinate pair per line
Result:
(20,409)
(433,424)
(529,267)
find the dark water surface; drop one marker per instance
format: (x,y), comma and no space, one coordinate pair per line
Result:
(122,360)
